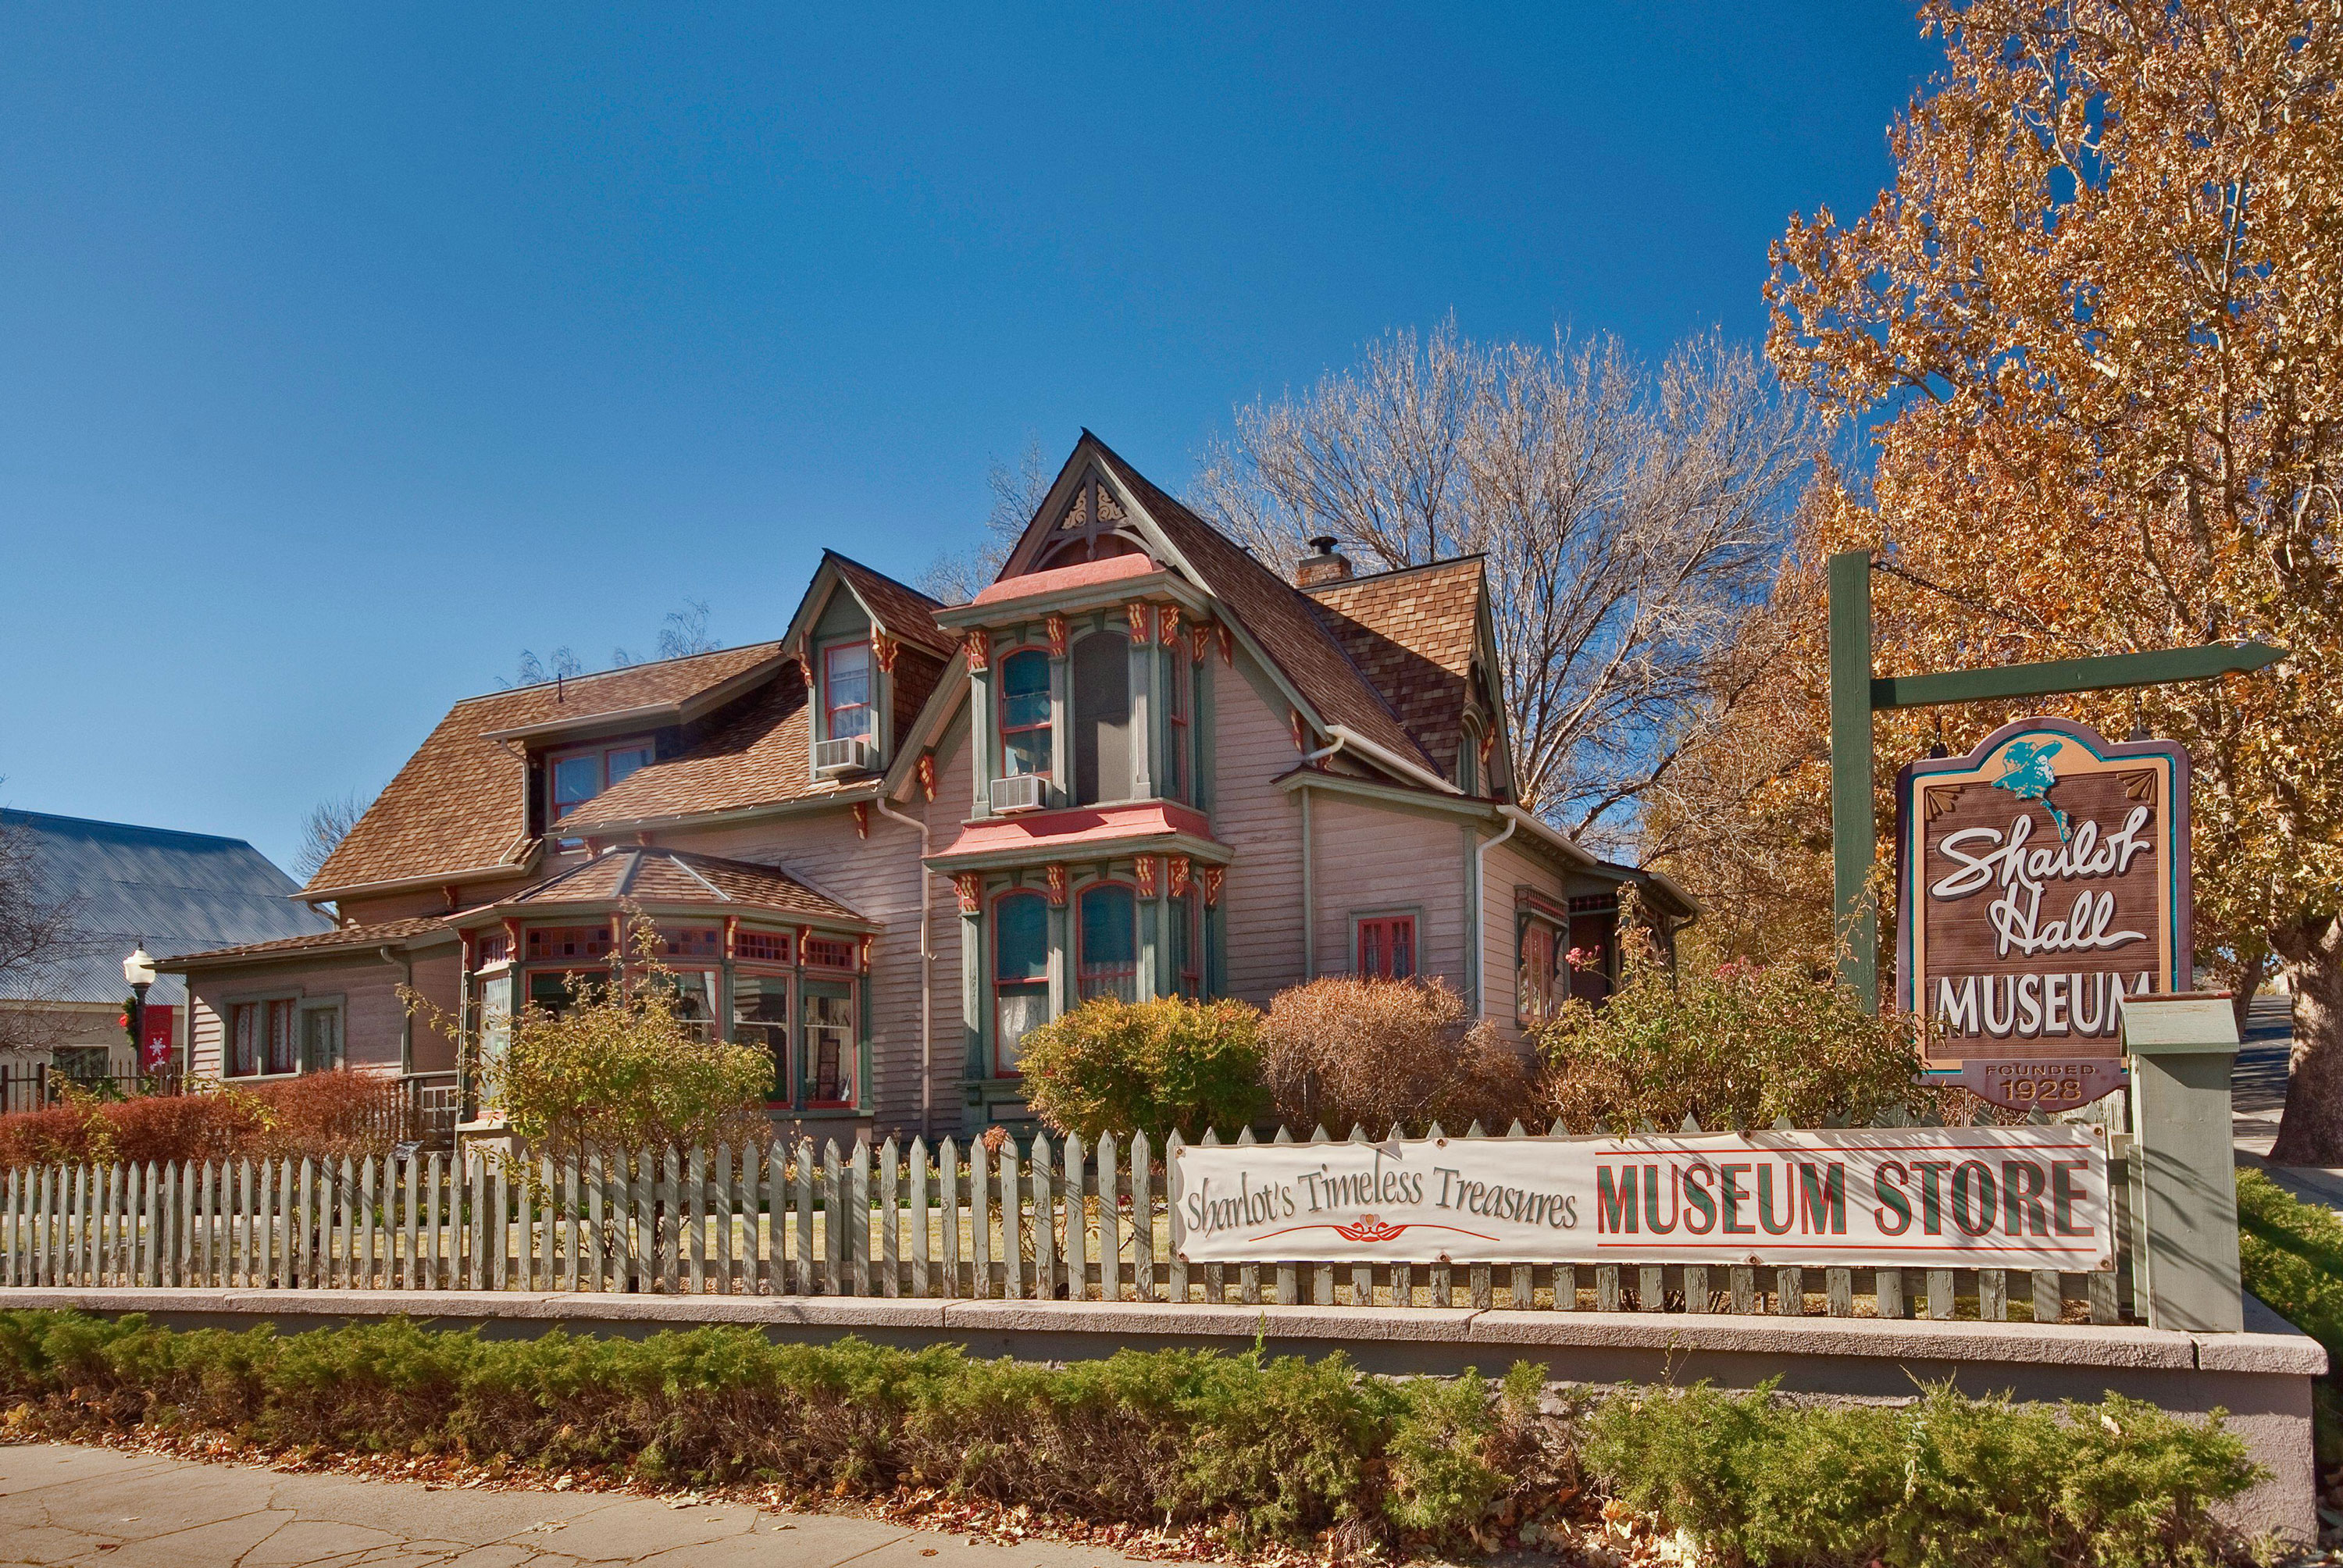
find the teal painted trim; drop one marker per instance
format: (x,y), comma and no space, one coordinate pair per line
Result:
(982,743)
(1205,786)
(1854,828)
(1145,745)
(973,1064)
(2111,673)
(1216,948)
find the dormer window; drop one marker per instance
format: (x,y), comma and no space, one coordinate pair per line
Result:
(581,772)
(846,692)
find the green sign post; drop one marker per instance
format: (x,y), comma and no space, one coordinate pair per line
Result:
(1856,694)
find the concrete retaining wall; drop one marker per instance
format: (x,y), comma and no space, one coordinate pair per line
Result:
(2262,1377)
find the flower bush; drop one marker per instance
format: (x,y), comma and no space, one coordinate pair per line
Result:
(1347,1052)
(1161,1067)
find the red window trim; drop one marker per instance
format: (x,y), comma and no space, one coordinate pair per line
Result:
(993,981)
(1390,926)
(1000,706)
(830,711)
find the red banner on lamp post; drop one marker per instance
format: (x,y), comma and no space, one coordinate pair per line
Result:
(155,1028)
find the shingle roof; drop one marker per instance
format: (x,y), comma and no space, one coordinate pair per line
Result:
(383,933)
(650,874)
(1283,621)
(758,758)
(1413,634)
(126,884)
(902,610)
(460,802)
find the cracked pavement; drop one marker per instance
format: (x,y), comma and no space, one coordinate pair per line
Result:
(63,1504)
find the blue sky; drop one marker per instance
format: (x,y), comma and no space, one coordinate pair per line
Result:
(347,351)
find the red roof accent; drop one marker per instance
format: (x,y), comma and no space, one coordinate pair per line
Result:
(1075,828)
(1081,574)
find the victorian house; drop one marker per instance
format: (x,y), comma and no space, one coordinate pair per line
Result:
(887,845)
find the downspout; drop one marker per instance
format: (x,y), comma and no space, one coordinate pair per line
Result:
(405,1019)
(927,967)
(1481,913)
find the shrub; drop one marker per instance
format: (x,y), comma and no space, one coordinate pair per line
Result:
(1347,1052)
(2292,1253)
(1165,1066)
(1737,1045)
(324,1114)
(1945,1481)
(1252,1448)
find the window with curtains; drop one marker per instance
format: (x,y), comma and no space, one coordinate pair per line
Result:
(321,1039)
(263,1037)
(1021,975)
(1534,989)
(244,1040)
(1107,943)
(1025,713)
(1387,947)
(1187,945)
(826,1037)
(846,691)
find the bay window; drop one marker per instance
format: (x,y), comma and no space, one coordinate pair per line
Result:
(1025,713)
(761,1018)
(1021,975)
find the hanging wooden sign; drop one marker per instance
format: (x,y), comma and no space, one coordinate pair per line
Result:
(2040,879)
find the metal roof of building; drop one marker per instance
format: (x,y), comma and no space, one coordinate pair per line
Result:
(177,892)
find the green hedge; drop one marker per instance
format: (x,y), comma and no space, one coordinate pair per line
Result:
(1943,1483)
(1253,1448)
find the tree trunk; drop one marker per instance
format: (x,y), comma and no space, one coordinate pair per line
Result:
(2312,1132)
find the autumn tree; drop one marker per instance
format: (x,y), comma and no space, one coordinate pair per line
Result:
(1632,518)
(2098,324)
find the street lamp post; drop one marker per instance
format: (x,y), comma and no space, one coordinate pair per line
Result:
(138,968)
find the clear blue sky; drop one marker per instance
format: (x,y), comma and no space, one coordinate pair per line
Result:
(345,351)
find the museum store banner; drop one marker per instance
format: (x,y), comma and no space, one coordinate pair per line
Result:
(2031,1197)
(2039,881)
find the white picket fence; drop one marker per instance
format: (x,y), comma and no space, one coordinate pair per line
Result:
(1048,1221)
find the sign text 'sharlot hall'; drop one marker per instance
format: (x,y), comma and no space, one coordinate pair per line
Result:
(2029,1197)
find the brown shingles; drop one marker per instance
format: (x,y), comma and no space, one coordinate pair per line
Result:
(385,933)
(1282,620)
(460,802)
(758,758)
(656,875)
(902,610)
(1413,634)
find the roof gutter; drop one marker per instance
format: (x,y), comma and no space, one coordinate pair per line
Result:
(1392,759)
(406,884)
(1479,916)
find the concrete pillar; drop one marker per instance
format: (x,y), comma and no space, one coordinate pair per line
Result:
(2182,1049)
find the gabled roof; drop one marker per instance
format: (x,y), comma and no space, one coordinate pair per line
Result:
(762,758)
(460,804)
(906,612)
(123,885)
(1283,620)
(648,875)
(393,934)
(1412,633)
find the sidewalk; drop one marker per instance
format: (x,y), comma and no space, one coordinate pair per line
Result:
(64,1504)
(2257,1097)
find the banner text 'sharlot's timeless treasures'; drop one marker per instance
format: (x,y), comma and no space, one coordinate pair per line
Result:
(2032,1197)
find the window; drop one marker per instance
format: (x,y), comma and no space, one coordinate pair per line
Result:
(1025,713)
(1594,938)
(589,942)
(1387,947)
(1021,975)
(761,1018)
(1175,764)
(829,1043)
(1468,758)
(1108,959)
(763,947)
(1102,681)
(693,943)
(280,1036)
(244,1040)
(1535,992)
(846,691)
(321,1039)
(552,991)
(1188,944)
(584,772)
(829,953)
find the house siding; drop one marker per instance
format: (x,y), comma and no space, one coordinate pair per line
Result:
(1252,744)
(1372,859)
(373,1015)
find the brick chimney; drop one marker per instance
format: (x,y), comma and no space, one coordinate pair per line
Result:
(1324,564)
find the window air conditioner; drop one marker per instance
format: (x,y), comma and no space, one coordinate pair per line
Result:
(1024,792)
(849,754)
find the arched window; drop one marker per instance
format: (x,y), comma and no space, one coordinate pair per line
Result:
(1101,680)
(1021,975)
(1468,758)
(1025,713)
(1107,943)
